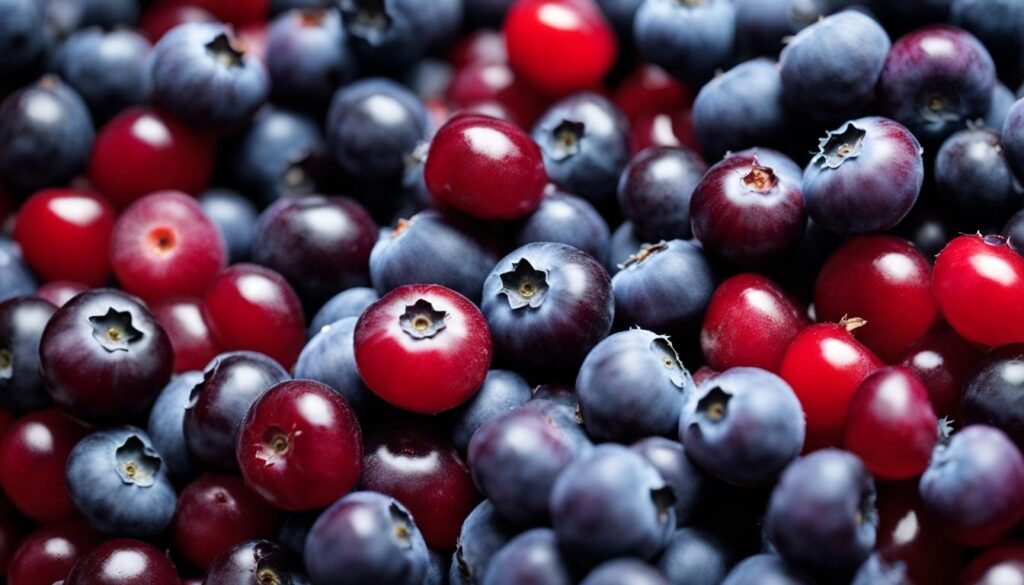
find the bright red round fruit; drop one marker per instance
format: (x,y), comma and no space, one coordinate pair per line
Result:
(560,46)
(183,320)
(59,292)
(486,167)
(254,308)
(651,89)
(47,555)
(124,561)
(33,455)
(495,82)
(887,282)
(422,347)
(64,234)
(979,283)
(142,150)
(300,446)
(942,360)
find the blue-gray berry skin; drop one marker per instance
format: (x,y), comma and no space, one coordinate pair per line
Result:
(166,426)
(531,557)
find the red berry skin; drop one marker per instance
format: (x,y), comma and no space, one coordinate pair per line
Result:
(300,446)
(423,348)
(750,321)
(907,535)
(942,360)
(236,12)
(486,167)
(887,282)
(10,538)
(254,308)
(979,283)
(124,561)
(47,555)
(1002,564)
(825,365)
(891,425)
(59,292)
(559,46)
(164,245)
(663,128)
(423,471)
(141,151)
(164,15)
(33,454)
(484,82)
(185,324)
(64,235)
(216,512)
(651,89)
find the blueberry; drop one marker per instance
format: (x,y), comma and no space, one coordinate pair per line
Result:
(619,571)
(109,69)
(15,277)
(974,177)
(689,484)
(999,107)
(22,39)
(308,58)
(329,357)
(294,529)
(483,534)
(762,26)
(120,483)
(690,40)
(348,303)
(389,35)
(620,14)
(254,560)
(877,571)
(437,570)
(1013,138)
(166,426)
(996,23)
(1014,232)
(235,216)
(625,242)
(766,569)
(22,321)
(566,219)
(430,78)
(78,14)
(501,392)
(654,194)
(696,557)
(531,557)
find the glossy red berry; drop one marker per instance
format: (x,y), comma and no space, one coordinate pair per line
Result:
(485,167)
(47,555)
(59,292)
(124,562)
(254,308)
(942,360)
(300,446)
(559,45)
(236,12)
(663,128)
(164,15)
(887,282)
(183,320)
(979,284)
(423,348)
(651,89)
(488,82)
(10,538)
(906,534)
(1002,564)
(750,321)
(64,234)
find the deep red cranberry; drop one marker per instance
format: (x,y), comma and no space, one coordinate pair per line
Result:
(890,424)
(424,348)
(64,235)
(47,555)
(559,46)
(254,308)
(750,321)
(484,45)
(59,292)
(33,455)
(164,15)
(702,374)
(254,562)
(887,282)
(496,82)
(907,535)
(485,167)
(216,512)
(942,360)
(825,365)
(1002,564)
(236,12)
(124,561)
(651,89)
(663,128)
(193,342)
(10,538)
(142,150)
(979,283)
(163,246)
(422,470)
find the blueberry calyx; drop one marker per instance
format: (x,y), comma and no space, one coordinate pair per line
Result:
(567,136)
(297,177)
(714,405)
(267,576)
(645,252)
(664,499)
(137,464)
(401,525)
(6,364)
(839,145)
(524,285)
(940,108)
(662,348)
(760,179)
(223,48)
(421,320)
(367,19)
(312,16)
(114,330)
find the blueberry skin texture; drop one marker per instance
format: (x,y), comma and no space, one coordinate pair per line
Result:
(201,78)
(329,357)
(877,571)
(689,484)
(434,247)
(696,557)
(366,537)
(22,321)
(531,557)
(22,39)
(762,25)
(821,513)
(996,23)
(566,219)
(112,498)
(398,32)
(654,193)
(46,135)
(501,392)
(308,58)
(871,189)
(743,426)
(741,108)
(483,534)
(1002,100)
(1013,138)
(665,289)
(766,569)
(15,278)
(348,303)
(250,560)
(109,69)
(612,502)
(585,142)
(620,571)
(166,426)
(235,216)
(1014,232)
(625,242)
(373,126)
(552,330)
(689,42)
(973,176)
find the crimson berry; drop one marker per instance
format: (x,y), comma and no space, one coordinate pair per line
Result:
(216,512)
(64,234)
(484,44)
(906,534)
(979,283)
(143,150)
(750,321)
(47,555)
(300,446)
(254,308)
(10,538)
(59,292)
(124,561)
(650,89)
(486,82)
(663,128)
(887,282)
(183,320)
(236,12)
(1002,564)
(33,455)
(942,360)
(424,348)
(559,46)
(825,365)
(164,15)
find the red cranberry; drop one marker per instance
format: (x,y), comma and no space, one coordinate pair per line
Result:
(33,455)
(142,150)
(236,12)
(703,374)
(65,234)
(47,555)
(300,446)
(124,561)
(422,470)
(825,365)
(484,45)
(254,308)
(663,128)
(164,15)
(887,282)
(10,538)
(1002,564)
(59,292)
(424,348)
(750,321)
(906,534)
(193,342)
(254,562)
(559,46)
(216,512)
(651,89)
(942,360)
(495,82)
(485,167)
(979,283)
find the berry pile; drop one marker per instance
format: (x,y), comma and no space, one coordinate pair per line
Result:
(511,292)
